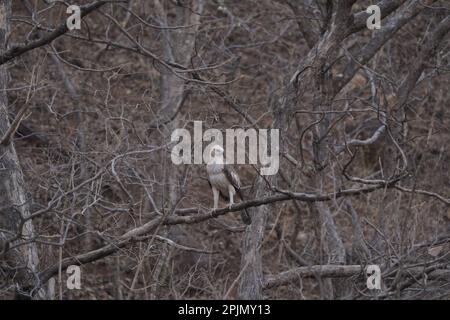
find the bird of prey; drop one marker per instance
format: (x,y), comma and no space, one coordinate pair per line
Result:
(224,181)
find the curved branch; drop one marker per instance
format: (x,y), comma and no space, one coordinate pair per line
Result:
(16,51)
(137,233)
(342,271)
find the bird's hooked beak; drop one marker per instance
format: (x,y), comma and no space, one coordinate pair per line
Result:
(216,154)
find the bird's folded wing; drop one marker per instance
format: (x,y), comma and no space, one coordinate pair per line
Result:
(232,176)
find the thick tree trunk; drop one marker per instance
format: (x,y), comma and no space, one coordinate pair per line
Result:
(251,281)
(307,78)
(20,263)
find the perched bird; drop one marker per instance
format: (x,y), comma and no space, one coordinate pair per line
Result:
(224,181)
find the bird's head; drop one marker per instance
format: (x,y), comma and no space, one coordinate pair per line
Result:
(216,153)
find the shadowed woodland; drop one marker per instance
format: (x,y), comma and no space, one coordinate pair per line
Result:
(86,176)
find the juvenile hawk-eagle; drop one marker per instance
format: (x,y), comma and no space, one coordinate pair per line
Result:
(224,181)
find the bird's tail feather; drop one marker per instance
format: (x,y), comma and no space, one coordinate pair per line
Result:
(245,216)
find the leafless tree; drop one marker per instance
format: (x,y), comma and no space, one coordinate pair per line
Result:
(86,120)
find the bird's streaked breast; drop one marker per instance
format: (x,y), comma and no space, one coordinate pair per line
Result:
(217,177)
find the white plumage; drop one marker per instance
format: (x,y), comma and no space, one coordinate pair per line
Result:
(224,181)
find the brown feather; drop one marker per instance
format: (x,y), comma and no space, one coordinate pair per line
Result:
(233,178)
